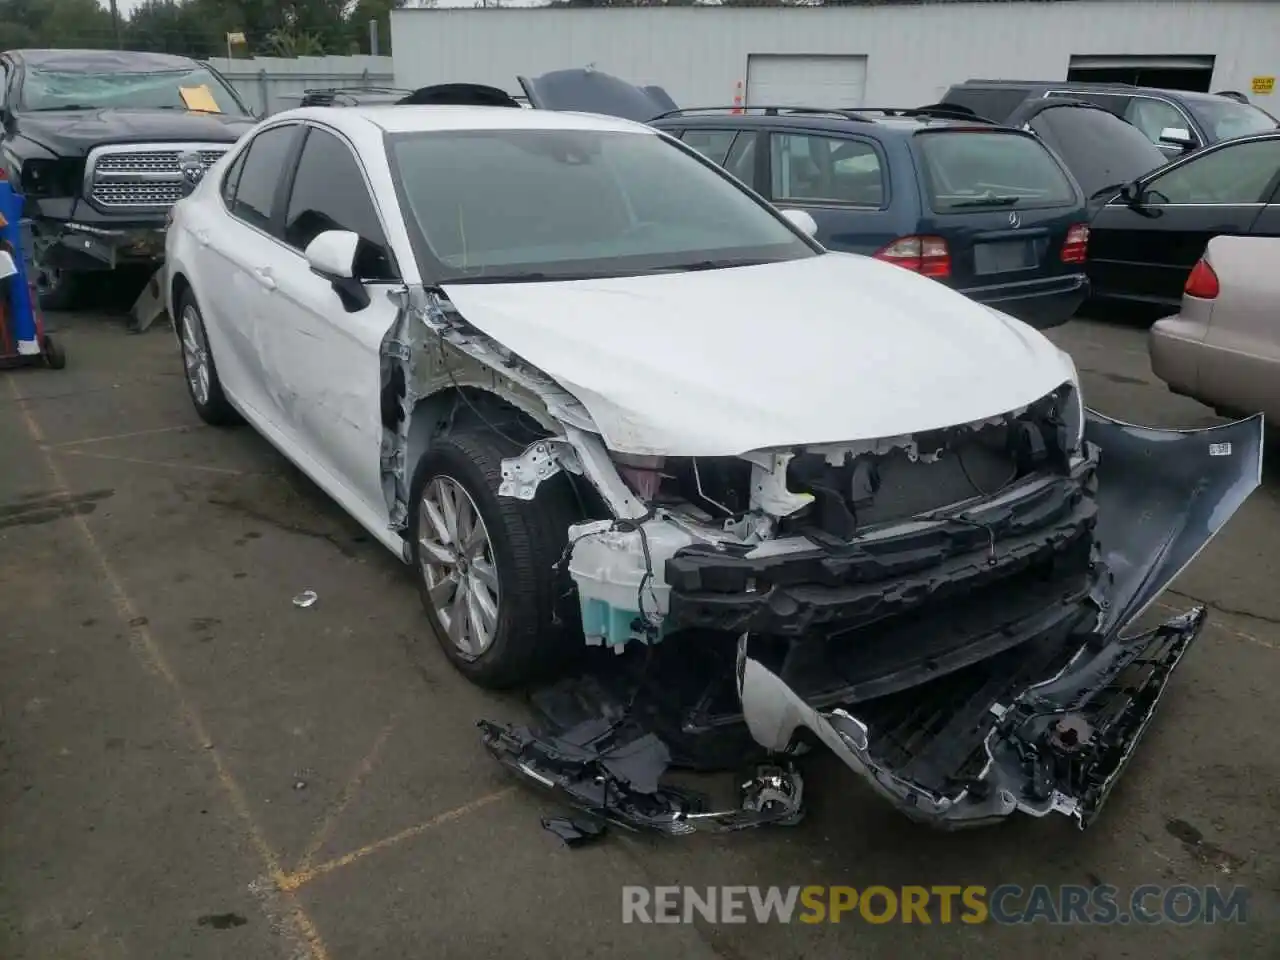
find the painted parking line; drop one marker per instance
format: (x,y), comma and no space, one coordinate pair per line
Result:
(152,658)
(1221,627)
(303,877)
(163,464)
(349,792)
(184,428)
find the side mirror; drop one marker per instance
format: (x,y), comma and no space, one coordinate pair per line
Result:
(802,220)
(332,255)
(1178,137)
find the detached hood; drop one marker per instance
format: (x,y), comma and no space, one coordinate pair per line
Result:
(587,90)
(826,349)
(73,133)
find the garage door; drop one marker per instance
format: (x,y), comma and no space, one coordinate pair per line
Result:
(798,80)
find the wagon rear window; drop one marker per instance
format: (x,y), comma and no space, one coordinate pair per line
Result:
(967,170)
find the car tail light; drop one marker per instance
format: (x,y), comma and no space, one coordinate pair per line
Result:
(1076,247)
(1203,282)
(924,255)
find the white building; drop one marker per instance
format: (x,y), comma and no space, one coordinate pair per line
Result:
(883,55)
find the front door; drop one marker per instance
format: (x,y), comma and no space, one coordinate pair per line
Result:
(322,350)
(1142,248)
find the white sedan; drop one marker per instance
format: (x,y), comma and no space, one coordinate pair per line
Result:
(594,391)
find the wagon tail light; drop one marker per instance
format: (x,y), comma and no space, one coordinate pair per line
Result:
(1202,283)
(924,255)
(1076,247)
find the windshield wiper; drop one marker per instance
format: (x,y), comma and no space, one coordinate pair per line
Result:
(992,201)
(62,106)
(709,265)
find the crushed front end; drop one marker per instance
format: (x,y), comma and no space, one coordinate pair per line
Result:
(951,612)
(946,612)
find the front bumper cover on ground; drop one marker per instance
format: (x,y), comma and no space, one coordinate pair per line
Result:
(1046,725)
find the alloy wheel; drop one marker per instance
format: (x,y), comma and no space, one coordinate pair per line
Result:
(458,566)
(195,354)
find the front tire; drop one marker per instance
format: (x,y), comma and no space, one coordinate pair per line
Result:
(203,385)
(485,564)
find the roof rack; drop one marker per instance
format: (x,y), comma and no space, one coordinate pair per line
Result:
(329,96)
(770,111)
(942,111)
(1054,83)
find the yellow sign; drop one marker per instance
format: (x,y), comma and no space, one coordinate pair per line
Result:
(235,38)
(1264,85)
(200,99)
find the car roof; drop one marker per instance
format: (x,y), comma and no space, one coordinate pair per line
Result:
(813,118)
(394,118)
(133,61)
(1092,86)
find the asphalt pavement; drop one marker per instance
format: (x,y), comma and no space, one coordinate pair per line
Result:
(193,766)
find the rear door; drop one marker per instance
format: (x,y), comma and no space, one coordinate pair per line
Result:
(1002,202)
(841,180)
(242,249)
(1142,249)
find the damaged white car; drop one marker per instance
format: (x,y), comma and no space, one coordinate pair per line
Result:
(597,393)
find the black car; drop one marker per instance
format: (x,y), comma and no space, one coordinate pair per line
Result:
(101,143)
(1174,120)
(1101,150)
(1146,240)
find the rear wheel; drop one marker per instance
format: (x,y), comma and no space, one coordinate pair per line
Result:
(485,563)
(201,373)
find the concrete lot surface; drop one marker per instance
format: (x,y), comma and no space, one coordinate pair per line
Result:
(192,766)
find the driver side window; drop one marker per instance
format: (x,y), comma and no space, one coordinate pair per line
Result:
(329,193)
(1236,174)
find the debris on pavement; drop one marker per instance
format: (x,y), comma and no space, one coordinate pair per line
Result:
(305,599)
(574,832)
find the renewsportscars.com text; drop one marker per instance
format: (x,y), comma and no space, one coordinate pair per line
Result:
(1006,904)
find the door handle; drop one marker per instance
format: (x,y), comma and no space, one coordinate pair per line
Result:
(203,237)
(265,278)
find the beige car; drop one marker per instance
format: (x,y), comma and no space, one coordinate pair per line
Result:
(1223,348)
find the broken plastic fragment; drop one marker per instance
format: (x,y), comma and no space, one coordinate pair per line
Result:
(574,833)
(305,599)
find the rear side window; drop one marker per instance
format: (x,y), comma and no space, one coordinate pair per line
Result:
(712,144)
(814,169)
(264,164)
(966,170)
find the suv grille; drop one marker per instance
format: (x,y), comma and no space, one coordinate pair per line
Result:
(144,178)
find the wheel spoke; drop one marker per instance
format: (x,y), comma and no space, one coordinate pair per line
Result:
(458,632)
(443,591)
(449,511)
(483,602)
(436,517)
(483,571)
(479,620)
(474,542)
(437,552)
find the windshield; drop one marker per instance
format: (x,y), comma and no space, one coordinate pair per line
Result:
(1098,147)
(194,89)
(531,204)
(971,169)
(1224,119)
